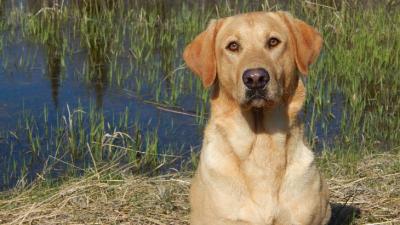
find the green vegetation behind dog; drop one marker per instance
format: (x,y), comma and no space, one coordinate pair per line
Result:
(357,75)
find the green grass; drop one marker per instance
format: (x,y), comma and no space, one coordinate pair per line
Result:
(138,47)
(353,101)
(353,89)
(360,62)
(81,139)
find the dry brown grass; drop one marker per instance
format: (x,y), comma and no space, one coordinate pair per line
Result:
(372,190)
(99,199)
(113,197)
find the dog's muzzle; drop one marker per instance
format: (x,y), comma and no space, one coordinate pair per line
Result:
(255,81)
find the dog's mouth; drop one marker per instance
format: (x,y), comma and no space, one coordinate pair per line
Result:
(258,99)
(255,95)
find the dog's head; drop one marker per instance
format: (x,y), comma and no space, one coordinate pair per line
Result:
(254,57)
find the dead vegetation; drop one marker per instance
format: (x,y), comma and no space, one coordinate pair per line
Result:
(370,195)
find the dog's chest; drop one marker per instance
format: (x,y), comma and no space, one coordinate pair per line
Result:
(264,168)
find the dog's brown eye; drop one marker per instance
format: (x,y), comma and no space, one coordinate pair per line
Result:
(233,46)
(272,42)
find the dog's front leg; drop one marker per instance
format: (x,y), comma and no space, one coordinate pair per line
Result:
(233,202)
(227,190)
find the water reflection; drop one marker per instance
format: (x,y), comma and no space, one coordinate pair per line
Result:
(88,38)
(98,44)
(97,69)
(54,70)
(166,47)
(53,44)
(54,48)
(34,6)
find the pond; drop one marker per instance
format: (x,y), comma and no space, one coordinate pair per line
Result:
(49,73)
(99,81)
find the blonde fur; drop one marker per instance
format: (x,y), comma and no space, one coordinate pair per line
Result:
(255,168)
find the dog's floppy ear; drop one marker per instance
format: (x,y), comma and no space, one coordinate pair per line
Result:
(199,55)
(306,40)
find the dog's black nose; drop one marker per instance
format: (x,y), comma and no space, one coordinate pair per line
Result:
(255,78)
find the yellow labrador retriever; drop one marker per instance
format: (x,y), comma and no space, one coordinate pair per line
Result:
(255,167)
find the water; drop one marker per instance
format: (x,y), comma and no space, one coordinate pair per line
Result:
(129,66)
